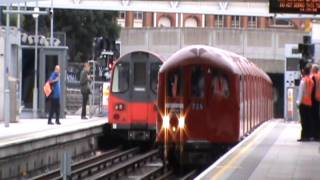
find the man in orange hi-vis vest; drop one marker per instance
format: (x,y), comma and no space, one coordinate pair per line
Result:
(304,102)
(315,75)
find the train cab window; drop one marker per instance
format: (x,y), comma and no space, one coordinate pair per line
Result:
(139,77)
(120,82)
(154,76)
(198,82)
(220,85)
(175,83)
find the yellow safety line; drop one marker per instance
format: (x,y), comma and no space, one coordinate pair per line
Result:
(235,158)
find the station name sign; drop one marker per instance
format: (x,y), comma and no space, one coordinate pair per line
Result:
(294,6)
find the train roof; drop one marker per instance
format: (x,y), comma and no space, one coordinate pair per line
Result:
(143,51)
(229,61)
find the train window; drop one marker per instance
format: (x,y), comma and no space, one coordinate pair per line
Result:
(175,83)
(140,75)
(220,85)
(120,82)
(154,76)
(197,81)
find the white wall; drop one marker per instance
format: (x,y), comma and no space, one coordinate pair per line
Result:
(1,75)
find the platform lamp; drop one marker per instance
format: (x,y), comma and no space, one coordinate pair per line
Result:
(35,89)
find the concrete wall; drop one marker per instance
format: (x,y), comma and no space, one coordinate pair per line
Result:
(14,44)
(1,76)
(26,158)
(264,47)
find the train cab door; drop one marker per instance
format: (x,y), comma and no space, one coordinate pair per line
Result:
(139,95)
(153,69)
(197,106)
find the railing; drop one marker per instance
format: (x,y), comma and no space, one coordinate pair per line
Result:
(255,44)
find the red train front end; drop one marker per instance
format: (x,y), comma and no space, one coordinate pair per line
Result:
(209,98)
(133,92)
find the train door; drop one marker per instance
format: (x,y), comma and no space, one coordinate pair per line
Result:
(197,104)
(247,115)
(153,85)
(139,113)
(242,124)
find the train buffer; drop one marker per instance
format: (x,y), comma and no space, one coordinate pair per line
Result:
(270,152)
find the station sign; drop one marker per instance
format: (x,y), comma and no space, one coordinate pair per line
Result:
(294,6)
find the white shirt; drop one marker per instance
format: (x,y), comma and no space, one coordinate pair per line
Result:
(301,91)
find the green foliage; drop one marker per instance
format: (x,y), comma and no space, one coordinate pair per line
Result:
(3,17)
(80,26)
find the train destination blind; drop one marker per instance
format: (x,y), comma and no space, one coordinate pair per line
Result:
(295,6)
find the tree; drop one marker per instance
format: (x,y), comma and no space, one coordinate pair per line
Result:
(80,26)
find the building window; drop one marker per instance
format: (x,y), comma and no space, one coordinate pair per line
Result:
(252,23)
(219,22)
(281,23)
(164,22)
(122,15)
(121,19)
(138,18)
(191,22)
(236,22)
(138,15)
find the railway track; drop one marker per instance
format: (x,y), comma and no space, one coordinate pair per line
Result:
(117,164)
(89,166)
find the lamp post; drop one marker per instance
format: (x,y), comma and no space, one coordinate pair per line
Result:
(6,70)
(51,24)
(35,89)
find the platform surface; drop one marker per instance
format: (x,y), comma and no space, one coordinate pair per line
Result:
(30,129)
(271,152)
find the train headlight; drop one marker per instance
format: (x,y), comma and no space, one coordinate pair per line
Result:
(181,122)
(166,122)
(119,107)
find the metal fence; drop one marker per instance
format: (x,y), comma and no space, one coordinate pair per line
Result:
(74,99)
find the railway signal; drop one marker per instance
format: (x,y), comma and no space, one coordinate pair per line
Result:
(307,51)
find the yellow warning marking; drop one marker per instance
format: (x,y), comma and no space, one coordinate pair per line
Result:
(242,152)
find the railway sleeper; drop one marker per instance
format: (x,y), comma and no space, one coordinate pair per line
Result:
(96,167)
(77,165)
(126,167)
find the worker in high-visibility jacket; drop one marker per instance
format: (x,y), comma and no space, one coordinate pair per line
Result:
(304,103)
(315,75)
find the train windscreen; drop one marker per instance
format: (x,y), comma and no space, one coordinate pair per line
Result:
(175,83)
(120,82)
(140,75)
(154,76)
(220,85)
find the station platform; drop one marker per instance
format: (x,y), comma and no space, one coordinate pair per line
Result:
(35,130)
(27,129)
(270,152)
(31,146)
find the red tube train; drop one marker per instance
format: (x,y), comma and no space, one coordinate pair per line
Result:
(133,91)
(208,97)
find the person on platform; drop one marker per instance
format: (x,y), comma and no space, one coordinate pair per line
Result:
(304,102)
(85,89)
(315,75)
(54,98)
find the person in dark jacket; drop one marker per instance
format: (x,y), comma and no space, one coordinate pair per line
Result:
(85,89)
(54,98)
